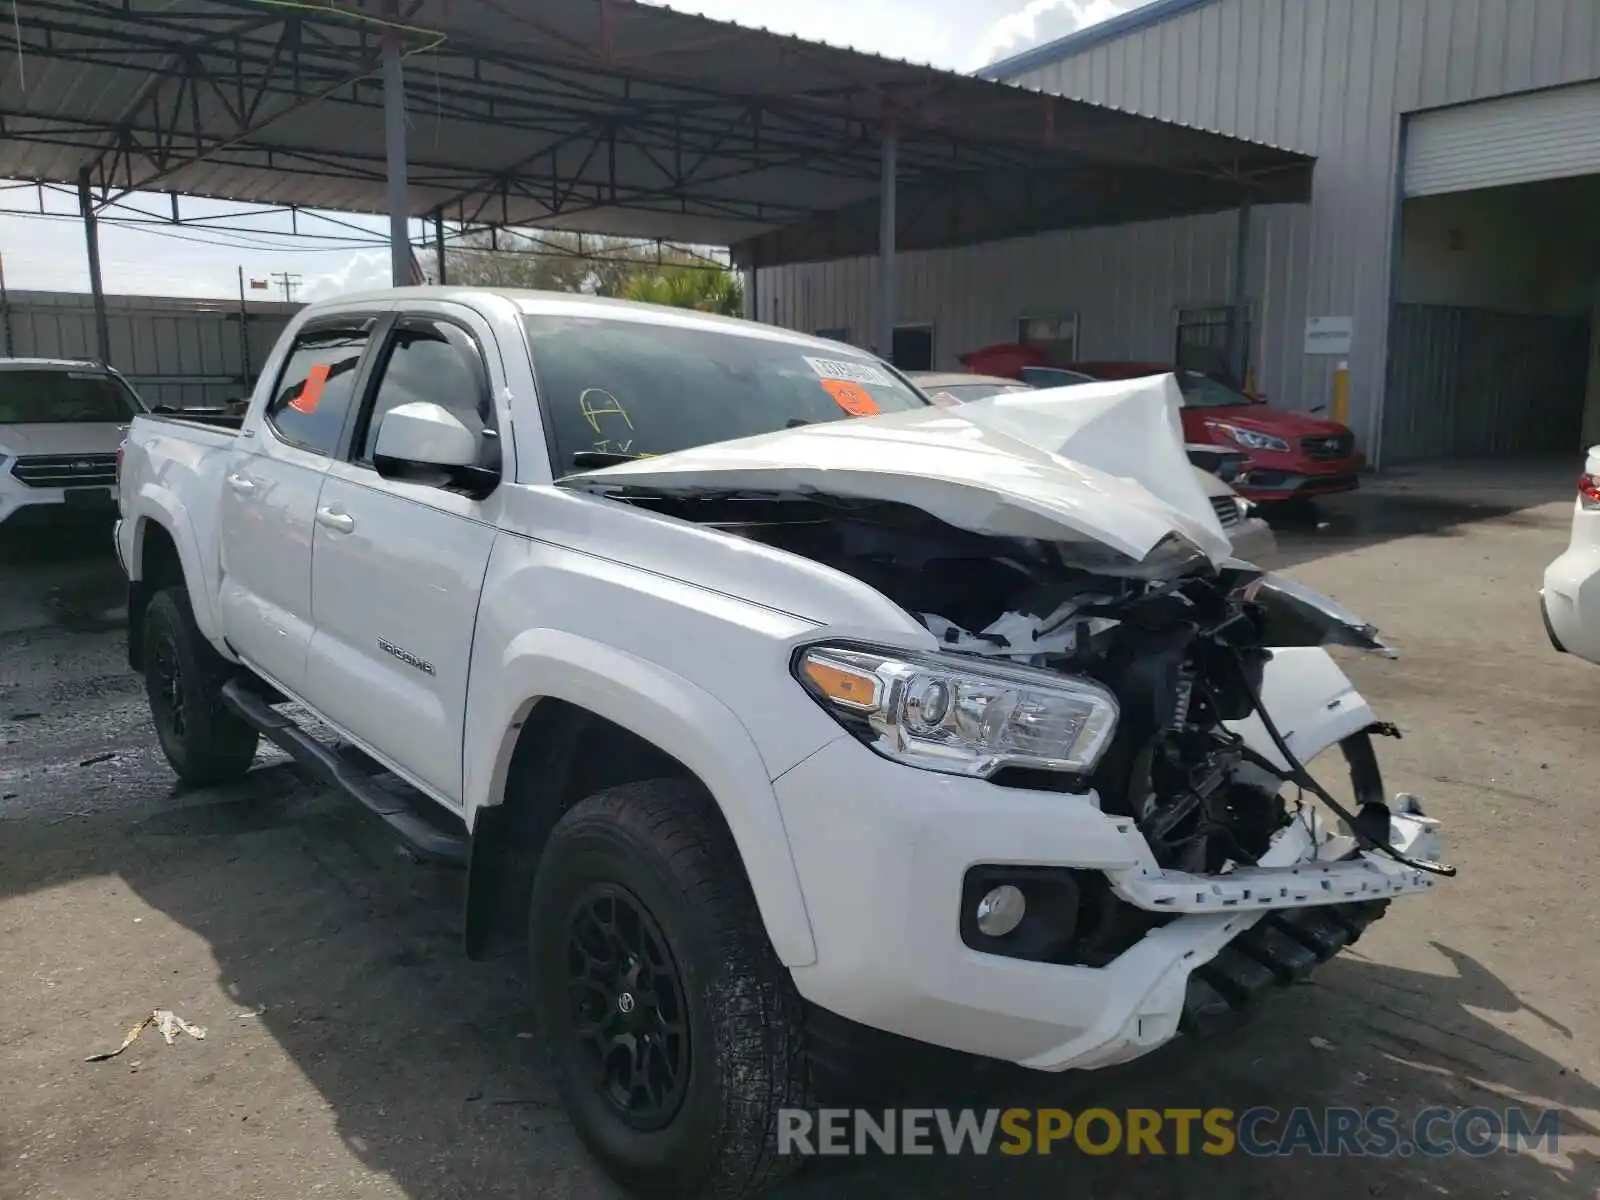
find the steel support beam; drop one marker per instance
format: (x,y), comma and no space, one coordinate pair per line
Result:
(394,139)
(1238,337)
(438,244)
(91,235)
(888,292)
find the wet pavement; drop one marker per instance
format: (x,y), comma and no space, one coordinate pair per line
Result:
(353,1052)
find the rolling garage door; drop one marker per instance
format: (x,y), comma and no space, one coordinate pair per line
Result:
(1551,134)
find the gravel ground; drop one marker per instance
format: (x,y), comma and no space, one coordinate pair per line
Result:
(353,1052)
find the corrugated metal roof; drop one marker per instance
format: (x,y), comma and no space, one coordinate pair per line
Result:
(600,115)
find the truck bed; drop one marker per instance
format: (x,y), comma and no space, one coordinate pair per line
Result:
(211,418)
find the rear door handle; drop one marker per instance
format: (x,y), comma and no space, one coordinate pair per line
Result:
(339,522)
(242,484)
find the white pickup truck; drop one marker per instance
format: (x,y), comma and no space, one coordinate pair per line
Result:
(786,721)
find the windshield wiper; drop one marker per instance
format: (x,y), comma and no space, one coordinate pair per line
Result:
(602,458)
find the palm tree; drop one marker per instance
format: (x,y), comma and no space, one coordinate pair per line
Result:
(705,289)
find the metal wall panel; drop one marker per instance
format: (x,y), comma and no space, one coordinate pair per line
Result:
(1328,77)
(184,353)
(1472,381)
(1549,134)
(1125,283)
(1332,78)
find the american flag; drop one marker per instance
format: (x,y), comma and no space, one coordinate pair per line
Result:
(417,276)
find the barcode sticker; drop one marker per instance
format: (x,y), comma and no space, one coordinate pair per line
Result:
(852,370)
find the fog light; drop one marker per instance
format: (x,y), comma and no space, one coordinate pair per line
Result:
(1001,911)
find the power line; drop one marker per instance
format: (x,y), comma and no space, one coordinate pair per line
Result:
(231,239)
(288,282)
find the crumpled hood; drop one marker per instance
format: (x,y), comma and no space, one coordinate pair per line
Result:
(64,437)
(1101,461)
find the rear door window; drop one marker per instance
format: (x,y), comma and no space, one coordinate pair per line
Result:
(316,387)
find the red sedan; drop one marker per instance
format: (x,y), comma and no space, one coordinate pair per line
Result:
(1293,455)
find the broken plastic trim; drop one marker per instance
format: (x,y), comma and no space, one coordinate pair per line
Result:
(1298,774)
(1302,617)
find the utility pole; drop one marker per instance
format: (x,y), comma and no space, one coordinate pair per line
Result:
(288,283)
(244,335)
(5,311)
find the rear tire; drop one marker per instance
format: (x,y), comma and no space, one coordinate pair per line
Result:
(674,1032)
(183,678)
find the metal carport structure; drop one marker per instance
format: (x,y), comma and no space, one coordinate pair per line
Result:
(591,115)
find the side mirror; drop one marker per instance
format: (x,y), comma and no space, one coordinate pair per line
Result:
(428,444)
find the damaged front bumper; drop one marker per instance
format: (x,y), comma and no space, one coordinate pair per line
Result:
(1308,865)
(882,853)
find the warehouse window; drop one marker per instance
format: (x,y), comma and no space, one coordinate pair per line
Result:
(1203,339)
(1056,336)
(913,347)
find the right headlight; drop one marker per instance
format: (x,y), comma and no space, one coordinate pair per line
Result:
(962,718)
(1250,439)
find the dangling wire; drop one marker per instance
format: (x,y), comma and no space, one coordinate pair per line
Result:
(1303,778)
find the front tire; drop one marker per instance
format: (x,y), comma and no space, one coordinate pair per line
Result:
(183,678)
(675,1033)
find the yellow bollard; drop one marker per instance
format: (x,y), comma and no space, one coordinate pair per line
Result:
(1341,393)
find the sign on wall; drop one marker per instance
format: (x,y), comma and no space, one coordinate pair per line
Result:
(1328,335)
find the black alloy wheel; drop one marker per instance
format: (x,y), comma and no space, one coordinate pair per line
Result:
(626,1004)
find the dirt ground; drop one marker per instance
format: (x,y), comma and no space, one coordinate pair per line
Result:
(353,1052)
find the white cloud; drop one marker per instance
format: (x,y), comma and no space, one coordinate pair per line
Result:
(362,270)
(1041,21)
(922,31)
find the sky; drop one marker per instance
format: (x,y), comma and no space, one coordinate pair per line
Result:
(47,253)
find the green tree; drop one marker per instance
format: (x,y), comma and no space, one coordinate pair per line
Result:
(559,261)
(706,289)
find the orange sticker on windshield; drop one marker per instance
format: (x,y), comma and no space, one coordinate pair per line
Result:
(851,397)
(306,401)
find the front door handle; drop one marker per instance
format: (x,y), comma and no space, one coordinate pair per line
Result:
(339,522)
(242,484)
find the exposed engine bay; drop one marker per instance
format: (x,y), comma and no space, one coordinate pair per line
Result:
(1180,641)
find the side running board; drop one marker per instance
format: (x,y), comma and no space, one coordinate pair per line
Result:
(421,835)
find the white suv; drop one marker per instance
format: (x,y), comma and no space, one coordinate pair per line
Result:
(1571,594)
(60,424)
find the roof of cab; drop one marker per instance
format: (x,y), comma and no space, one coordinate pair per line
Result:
(944,379)
(51,364)
(532,302)
(1120,370)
